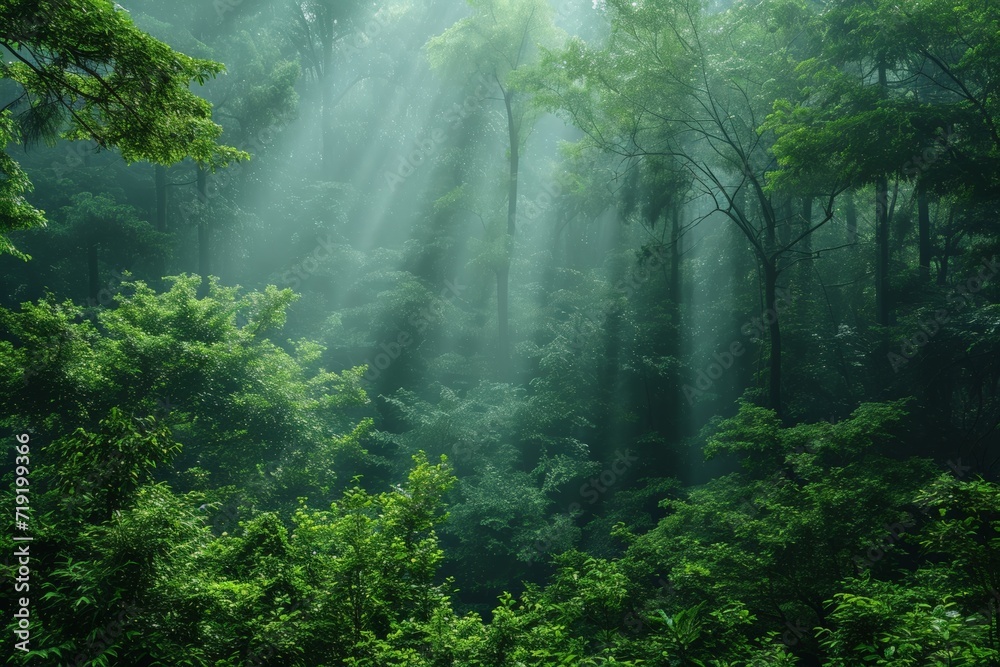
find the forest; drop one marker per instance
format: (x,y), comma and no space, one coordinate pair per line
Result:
(500,333)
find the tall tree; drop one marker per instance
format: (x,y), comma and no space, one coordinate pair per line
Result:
(318,26)
(498,39)
(668,85)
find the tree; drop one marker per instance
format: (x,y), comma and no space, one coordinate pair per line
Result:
(86,72)
(889,90)
(319,25)
(668,86)
(501,37)
(15,212)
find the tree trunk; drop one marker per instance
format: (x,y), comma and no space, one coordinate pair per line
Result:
(924,223)
(675,271)
(503,274)
(851,213)
(805,275)
(942,275)
(326,81)
(204,252)
(503,296)
(774,333)
(882,308)
(785,222)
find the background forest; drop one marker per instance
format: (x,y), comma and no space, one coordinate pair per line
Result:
(415,333)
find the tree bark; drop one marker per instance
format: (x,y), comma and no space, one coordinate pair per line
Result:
(328,36)
(924,224)
(774,333)
(882,309)
(851,213)
(503,273)
(805,274)
(327,114)
(785,223)
(675,272)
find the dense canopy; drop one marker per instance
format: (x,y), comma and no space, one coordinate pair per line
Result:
(500,333)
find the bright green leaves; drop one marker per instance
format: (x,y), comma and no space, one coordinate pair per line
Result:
(889,81)
(811,510)
(909,625)
(756,434)
(377,554)
(113,83)
(965,531)
(859,134)
(753,430)
(104,470)
(87,73)
(207,367)
(15,212)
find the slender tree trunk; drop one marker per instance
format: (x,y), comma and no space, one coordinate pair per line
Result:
(675,271)
(769,264)
(942,275)
(805,245)
(503,306)
(851,212)
(204,252)
(326,81)
(785,223)
(882,308)
(93,275)
(549,280)
(774,333)
(503,273)
(924,223)
(674,347)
